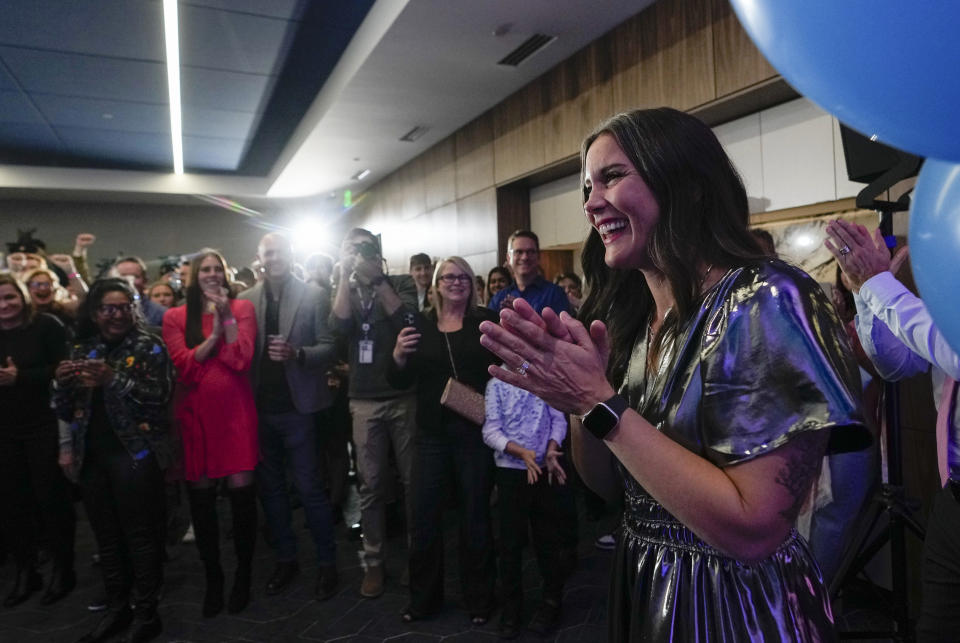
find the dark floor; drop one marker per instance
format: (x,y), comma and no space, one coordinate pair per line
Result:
(347,617)
(295,616)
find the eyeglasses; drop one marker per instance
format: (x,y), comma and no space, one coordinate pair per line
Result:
(39,284)
(109,310)
(450,278)
(519,252)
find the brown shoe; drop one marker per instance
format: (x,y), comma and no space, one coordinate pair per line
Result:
(372,585)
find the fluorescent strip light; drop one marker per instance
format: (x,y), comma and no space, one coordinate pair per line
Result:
(173,81)
(361,175)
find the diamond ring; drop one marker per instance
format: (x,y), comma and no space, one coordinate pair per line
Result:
(522,369)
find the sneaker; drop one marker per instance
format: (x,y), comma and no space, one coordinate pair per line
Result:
(372,585)
(605,542)
(189,537)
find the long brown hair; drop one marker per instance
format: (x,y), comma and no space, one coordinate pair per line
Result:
(193,334)
(29,310)
(703,220)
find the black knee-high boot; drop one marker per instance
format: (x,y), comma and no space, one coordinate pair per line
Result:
(203,512)
(243,505)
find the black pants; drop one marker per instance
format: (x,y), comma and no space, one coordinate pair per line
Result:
(34,491)
(465,468)
(124,499)
(940,612)
(544,508)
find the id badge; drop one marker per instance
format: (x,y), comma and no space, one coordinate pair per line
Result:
(366,351)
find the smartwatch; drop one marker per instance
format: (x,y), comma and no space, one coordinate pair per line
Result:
(605,416)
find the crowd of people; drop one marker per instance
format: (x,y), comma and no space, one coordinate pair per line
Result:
(694,378)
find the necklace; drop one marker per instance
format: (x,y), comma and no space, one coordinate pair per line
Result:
(703,280)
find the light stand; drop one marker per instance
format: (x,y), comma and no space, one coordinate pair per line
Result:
(890,500)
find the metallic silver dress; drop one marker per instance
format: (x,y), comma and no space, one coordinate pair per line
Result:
(763,360)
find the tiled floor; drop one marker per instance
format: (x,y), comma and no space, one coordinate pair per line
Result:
(295,616)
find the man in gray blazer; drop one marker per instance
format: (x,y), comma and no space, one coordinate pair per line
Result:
(294,351)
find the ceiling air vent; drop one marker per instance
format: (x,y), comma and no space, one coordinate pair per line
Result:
(530,46)
(414,134)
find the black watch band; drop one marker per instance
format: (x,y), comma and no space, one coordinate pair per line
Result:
(605,416)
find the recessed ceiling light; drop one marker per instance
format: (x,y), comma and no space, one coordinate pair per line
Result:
(172,40)
(361,175)
(107,116)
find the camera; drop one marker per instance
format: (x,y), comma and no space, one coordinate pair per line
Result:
(368,250)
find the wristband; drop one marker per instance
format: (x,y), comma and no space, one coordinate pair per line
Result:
(73,275)
(230,322)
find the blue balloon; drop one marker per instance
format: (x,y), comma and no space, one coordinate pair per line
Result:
(883,67)
(935,244)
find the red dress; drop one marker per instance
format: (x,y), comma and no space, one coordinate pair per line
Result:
(215,407)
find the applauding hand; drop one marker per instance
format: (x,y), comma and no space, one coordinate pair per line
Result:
(555,358)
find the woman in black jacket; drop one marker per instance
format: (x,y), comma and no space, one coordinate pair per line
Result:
(31,345)
(449,451)
(112,398)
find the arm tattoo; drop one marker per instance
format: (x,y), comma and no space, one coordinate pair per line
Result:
(803,457)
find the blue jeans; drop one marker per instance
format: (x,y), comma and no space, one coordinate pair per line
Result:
(291,437)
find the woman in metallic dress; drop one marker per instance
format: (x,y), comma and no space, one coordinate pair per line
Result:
(715,376)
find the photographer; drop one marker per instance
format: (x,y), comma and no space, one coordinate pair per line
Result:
(368,311)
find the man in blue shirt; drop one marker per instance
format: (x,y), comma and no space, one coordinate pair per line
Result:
(523,255)
(134,268)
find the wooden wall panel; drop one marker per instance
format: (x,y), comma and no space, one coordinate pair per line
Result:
(440,170)
(738,62)
(513,213)
(392,195)
(518,132)
(413,197)
(626,68)
(579,97)
(676,52)
(476,229)
(555,262)
(473,146)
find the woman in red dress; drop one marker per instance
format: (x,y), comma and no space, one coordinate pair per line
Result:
(211,341)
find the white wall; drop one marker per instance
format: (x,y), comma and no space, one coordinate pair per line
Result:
(789,155)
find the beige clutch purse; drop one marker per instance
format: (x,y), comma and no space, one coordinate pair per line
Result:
(464,401)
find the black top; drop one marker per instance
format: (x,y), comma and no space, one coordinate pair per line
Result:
(368,381)
(430,368)
(36,350)
(273,392)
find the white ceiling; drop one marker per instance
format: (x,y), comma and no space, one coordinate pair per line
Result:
(412,62)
